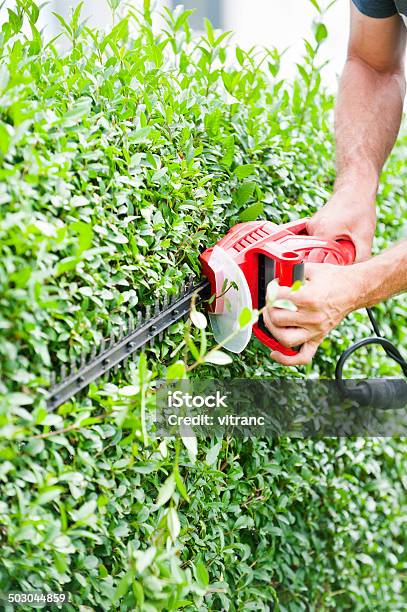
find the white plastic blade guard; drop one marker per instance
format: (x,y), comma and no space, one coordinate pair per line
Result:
(234,295)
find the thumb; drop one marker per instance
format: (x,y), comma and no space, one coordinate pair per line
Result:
(320,225)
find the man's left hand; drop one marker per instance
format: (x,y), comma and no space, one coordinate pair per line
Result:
(329,293)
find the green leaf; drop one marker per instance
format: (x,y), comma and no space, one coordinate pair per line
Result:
(183,18)
(85,512)
(244,171)
(365,559)
(321,33)
(240,56)
(166,491)
(4,78)
(174,526)
(176,371)
(129,390)
(141,135)
(253,212)
(244,193)
(218,358)
(20,399)
(209,31)
(229,150)
(285,304)
(213,453)
(194,351)
(147,11)
(190,443)
(78,111)
(5,138)
(244,522)
(180,484)
(201,573)
(316,5)
(67,264)
(85,235)
(296,286)
(144,558)
(123,586)
(245,317)
(198,319)
(272,291)
(221,38)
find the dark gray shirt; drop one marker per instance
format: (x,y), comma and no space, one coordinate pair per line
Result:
(382,8)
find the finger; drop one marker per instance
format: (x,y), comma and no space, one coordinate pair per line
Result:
(303,357)
(311,268)
(330,258)
(281,317)
(289,336)
(316,256)
(321,226)
(284,293)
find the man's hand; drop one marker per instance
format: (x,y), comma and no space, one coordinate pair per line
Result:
(327,296)
(346,216)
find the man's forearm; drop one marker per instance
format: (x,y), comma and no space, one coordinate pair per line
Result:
(381,277)
(367,122)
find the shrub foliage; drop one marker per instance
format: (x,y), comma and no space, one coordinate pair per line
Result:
(121,159)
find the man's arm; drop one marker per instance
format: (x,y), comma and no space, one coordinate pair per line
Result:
(381,277)
(329,294)
(367,121)
(368,117)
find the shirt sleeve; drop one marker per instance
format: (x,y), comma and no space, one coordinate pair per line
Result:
(376,8)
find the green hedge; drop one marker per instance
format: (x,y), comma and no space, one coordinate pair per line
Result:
(121,159)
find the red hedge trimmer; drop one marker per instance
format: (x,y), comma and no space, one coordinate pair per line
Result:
(249,257)
(239,268)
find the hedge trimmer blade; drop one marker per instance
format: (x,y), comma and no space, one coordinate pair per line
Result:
(232,296)
(140,332)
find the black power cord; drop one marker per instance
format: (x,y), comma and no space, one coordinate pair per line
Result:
(379,393)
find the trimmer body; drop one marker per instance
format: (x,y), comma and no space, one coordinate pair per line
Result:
(242,264)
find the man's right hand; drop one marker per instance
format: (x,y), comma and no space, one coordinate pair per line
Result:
(346,217)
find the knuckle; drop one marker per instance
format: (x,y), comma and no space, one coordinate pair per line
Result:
(271,315)
(304,298)
(316,304)
(282,338)
(319,318)
(277,317)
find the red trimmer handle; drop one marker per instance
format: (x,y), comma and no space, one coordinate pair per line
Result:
(346,246)
(348,251)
